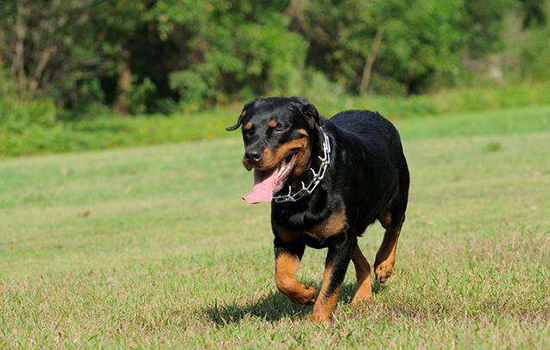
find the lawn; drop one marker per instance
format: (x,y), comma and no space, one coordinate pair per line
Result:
(153,247)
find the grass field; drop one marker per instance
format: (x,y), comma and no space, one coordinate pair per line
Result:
(153,247)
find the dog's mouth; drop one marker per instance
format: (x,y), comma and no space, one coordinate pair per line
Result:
(268,182)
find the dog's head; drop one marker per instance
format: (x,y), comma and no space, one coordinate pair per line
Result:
(276,133)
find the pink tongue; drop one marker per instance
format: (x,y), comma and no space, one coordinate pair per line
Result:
(263,187)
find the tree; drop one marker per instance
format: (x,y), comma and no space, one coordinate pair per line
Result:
(37,38)
(406,43)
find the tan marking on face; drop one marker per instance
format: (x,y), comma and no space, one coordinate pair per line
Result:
(272,123)
(248,126)
(272,158)
(285,278)
(303,155)
(286,234)
(333,225)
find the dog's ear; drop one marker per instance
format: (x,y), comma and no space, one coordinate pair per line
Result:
(307,109)
(240,120)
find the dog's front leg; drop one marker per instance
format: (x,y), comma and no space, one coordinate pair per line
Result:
(287,260)
(338,258)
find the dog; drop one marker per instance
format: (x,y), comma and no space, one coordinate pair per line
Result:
(327,181)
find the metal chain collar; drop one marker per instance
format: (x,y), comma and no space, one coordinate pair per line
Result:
(317,177)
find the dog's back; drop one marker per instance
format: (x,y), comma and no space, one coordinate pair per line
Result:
(372,128)
(381,144)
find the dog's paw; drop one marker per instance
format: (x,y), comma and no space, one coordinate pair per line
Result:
(383,271)
(307,297)
(320,317)
(362,297)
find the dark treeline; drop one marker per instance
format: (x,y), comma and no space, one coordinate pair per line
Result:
(142,56)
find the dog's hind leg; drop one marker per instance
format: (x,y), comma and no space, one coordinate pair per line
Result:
(287,260)
(385,258)
(364,282)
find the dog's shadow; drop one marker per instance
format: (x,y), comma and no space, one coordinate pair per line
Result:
(272,307)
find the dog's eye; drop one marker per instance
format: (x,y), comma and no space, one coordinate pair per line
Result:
(280,128)
(248,133)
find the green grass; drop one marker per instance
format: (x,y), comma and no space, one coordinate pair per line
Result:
(153,247)
(31,129)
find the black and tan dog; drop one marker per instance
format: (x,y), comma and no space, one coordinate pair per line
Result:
(327,180)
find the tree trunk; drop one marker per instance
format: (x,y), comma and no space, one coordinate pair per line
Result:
(371,57)
(39,70)
(18,63)
(295,12)
(124,87)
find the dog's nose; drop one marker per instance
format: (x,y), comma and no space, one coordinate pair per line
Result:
(253,155)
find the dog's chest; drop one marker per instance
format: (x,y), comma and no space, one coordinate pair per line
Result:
(331,226)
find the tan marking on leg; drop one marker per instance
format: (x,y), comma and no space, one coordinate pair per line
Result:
(322,310)
(363,291)
(385,258)
(334,225)
(285,270)
(385,218)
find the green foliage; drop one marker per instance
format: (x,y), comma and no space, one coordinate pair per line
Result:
(535,54)
(16,114)
(244,57)
(485,21)
(149,56)
(50,48)
(420,41)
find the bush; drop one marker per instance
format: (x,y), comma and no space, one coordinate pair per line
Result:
(535,59)
(17,114)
